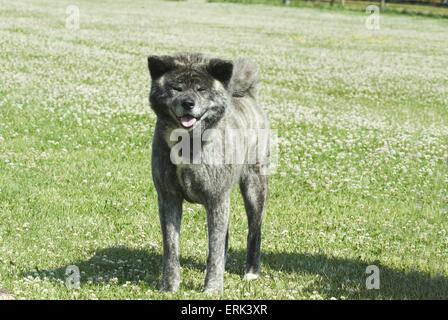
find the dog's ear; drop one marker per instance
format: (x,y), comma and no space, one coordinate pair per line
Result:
(159,65)
(221,70)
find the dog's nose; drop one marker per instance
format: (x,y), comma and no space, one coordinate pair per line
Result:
(188,103)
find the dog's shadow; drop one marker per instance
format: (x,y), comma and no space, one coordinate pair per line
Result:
(119,265)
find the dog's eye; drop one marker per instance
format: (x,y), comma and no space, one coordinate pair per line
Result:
(200,89)
(176,88)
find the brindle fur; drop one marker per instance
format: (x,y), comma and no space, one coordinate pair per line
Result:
(226,91)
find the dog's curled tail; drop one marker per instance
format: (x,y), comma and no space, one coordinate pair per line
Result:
(244,79)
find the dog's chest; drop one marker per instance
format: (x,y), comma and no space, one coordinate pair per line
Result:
(202,169)
(201,182)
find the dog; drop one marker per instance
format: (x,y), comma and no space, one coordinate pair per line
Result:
(198,95)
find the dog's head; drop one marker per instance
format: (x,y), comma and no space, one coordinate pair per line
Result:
(189,89)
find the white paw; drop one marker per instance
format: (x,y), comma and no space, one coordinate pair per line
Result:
(250,276)
(213,291)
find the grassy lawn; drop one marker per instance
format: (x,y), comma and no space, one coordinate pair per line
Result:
(362,121)
(418,9)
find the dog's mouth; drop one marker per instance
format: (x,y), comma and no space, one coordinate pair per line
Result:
(188,121)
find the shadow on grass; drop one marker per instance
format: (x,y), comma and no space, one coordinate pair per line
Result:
(118,265)
(347,277)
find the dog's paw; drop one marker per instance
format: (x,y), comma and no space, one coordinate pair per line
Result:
(5,295)
(251,276)
(169,288)
(213,292)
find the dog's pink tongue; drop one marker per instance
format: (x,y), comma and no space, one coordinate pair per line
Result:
(188,121)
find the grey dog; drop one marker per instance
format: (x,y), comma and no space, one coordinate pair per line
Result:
(195,93)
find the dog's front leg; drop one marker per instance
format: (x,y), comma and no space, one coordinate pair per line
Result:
(217,222)
(170,212)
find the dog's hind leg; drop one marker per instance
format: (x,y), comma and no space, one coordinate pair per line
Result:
(226,250)
(254,187)
(170,212)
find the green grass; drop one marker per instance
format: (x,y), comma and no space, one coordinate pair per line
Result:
(393,7)
(362,179)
